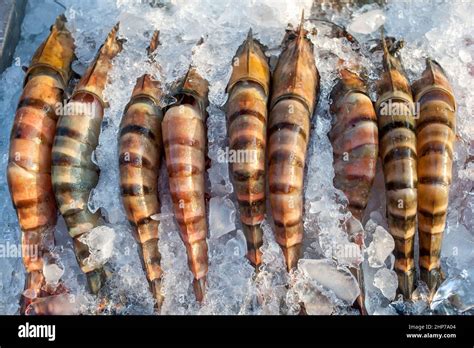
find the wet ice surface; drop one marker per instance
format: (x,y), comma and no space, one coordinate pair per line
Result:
(339,280)
(367,22)
(380,248)
(232,286)
(100,241)
(52,273)
(221,217)
(386,281)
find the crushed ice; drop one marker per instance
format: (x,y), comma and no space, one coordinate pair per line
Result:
(233,288)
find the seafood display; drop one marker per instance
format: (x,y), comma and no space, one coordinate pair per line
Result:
(261,172)
(435,135)
(295,86)
(74,173)
(184,140)
(398,152)
(140,152)
(248,89)
(29,162)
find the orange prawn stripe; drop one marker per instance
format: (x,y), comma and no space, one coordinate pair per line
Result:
(74,173)
(286,160)
(247,133)
(140,152)
(29,163)
(184,138)
(295,91)
(247,115)
(354,137)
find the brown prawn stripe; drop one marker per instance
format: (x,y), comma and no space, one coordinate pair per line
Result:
(185,164)
(399,162)
(354,137)
(248,134)
(74,173)
(184,138)
(247,115)
(140,151)
(31,140)
(398,152)
(286,158)
(295,91)
(435,141)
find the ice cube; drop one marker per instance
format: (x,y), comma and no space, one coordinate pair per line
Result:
(420,298)
(381,246)
(367,22)
(458,245)
(318,304)
(221,216)
(455,295)
(387,281)
(337,279)
(219,178)
(236,247)
(315,302)
(348,254)
(100,241)
(52,273)
(376,219)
